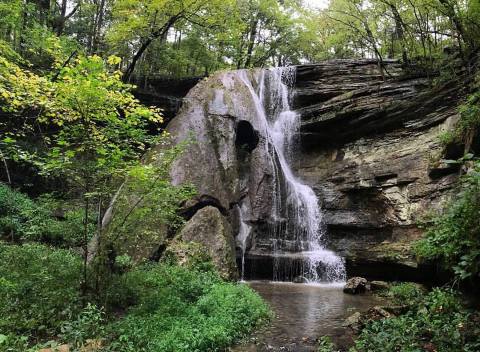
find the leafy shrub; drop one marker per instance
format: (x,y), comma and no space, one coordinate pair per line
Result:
(182,309)
(13,343)
(14,207)
(39,289)
(22,218)
(88,324)
(436,323)
(469,120)
(454,236)
(405,293)
(325,344)
(469,114)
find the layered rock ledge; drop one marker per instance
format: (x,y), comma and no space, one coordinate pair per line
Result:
(369,149)
(371,152)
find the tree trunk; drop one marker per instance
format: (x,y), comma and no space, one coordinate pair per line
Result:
(251,42)
(160,33)
(9,179)
(98,25)
(85,246)
(399,31)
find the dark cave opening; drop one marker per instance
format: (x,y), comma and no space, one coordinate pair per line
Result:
(246,137)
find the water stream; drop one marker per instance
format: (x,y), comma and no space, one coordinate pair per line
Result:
(303,313)
(299,234)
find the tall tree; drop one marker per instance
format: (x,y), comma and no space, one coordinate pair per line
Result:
(137,24)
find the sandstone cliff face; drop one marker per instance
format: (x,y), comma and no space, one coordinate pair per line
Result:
(371,151)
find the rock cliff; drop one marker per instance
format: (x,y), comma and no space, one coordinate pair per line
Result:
(369,149)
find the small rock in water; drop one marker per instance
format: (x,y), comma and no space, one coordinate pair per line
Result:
(300,280)
(355,285)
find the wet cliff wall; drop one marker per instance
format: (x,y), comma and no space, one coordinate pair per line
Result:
(371,150)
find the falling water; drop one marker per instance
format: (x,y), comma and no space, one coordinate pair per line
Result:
(243,233)
(299,241)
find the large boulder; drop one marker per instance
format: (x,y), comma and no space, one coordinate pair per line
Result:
(211,229)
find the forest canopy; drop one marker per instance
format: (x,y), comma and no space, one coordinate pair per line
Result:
(197,37)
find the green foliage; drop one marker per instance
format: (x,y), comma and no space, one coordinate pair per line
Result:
(470,115)
(453,237)
(325,344)
(170,308)
(446,138)
(14,343)
(182,309)
(88,324)
(438,322)
(24,219)
(405,293)
(147,203)
(99,133)
(102,126)
(469,121)
(14,207)
(39,290)
(99,125)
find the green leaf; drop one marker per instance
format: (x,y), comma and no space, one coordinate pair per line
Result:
(8,140)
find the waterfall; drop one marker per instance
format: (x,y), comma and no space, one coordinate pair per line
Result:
(243,233)
(298,237)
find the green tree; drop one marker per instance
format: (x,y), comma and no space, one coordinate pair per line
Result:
(137,24)
(99,133)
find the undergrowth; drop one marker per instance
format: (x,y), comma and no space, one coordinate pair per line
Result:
(154,307)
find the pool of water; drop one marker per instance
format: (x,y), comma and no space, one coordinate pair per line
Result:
(303,313)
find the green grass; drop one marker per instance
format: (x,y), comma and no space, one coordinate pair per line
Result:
(177,309)
(39,290)
(155,307)
(25,219)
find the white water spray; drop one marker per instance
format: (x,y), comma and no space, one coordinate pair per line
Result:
(300,239)
(242,237)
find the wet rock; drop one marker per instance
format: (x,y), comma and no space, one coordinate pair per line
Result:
(377,313)
(379,285)
(355,285)
(370,150)
(372,159)
(396,310)
(300,280)
(210,228)
(354,322)
(357,320)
